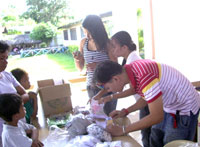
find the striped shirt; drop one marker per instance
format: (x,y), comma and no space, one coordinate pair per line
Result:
(152,80)
(92,57)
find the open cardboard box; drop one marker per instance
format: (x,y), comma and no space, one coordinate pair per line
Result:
(56,99)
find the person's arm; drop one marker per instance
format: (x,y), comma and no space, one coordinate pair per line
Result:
(141,103)
(118,95)
(156,116)
(21,91)
(33,95)
(78,56)
(98,95)
(34,134)
(122,113)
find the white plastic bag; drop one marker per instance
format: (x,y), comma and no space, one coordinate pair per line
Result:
(99,132)
(110,144)
(77,125)
(57,137)
(83,141)
(97,109)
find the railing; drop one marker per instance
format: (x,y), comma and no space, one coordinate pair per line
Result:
(49,50)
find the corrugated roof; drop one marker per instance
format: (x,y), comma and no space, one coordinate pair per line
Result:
(24,39)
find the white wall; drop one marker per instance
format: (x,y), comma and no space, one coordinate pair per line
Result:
(125,17)
(73,42)
(177,35)
(147,28)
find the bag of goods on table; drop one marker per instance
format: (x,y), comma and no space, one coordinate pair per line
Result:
(59,120)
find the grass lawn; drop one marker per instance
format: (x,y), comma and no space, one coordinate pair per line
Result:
(66,61)
(44,66)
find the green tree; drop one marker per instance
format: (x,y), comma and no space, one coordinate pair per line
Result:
(140,33)
(44,32)
(46,10)
(10,18)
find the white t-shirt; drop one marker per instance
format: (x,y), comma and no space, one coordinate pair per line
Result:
(16,136)
(131,58)
(7,85)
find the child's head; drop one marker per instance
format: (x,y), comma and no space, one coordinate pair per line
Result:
(122,43)
(11,107)
(22,77)
(108,75)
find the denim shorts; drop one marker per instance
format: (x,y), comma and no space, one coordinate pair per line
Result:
(166,131)
(109,106)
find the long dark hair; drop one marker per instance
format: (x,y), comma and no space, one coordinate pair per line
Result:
(95,26)
(123,38)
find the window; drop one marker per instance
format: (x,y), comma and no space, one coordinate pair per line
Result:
(73,34)
(82,33)
(66,35)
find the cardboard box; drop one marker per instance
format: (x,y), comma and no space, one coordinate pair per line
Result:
(55,99)
(196,84)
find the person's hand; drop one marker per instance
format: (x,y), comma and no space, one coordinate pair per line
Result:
(115,130)
(32,95)
(89,101)
(28,133)
(77,55)
(37,143)
(117,114)
(96,97)
(105,99)
(91,66)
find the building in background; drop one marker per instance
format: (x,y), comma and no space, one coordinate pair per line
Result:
(73,32)
(170,28)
